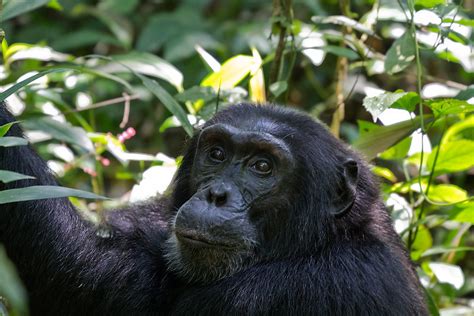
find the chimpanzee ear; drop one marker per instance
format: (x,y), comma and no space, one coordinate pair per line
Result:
(347,188)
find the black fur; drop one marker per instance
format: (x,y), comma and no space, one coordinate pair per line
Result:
(310,261)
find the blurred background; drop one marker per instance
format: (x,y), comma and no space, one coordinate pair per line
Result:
(109,91)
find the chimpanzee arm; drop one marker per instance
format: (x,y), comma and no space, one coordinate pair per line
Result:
(68,265)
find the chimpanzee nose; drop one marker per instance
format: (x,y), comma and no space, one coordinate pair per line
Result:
(218,194)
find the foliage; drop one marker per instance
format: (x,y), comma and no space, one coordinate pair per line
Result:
(84,77)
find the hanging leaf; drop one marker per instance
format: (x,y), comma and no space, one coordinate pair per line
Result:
(40,192)
(61,131)
(5,94)
(10,176)
(146,64)
(257,81)
(401,54)
(10,141)
(380,138)
(168,102)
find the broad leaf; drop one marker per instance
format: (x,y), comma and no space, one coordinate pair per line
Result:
(10,176)
(231,72)
(277,88)
(463,213)
(453,156)
(40,192)
(401,54)
(448,193)
(380,138)
(399,151)
(450,106)
(400,100)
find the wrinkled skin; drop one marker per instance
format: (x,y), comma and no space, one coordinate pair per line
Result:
(270,215)
(214,234)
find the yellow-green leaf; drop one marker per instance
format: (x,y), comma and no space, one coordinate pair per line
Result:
(448,193)
(231,72)
(453,156)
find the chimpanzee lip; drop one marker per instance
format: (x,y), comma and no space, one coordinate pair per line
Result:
(197,239)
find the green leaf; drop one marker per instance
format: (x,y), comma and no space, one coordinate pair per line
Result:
(401,100)
(231,72)
(146,64)
(429,3)
(365,127)
(399,151)
(380,138)
(453,156)
(401,54)
(117,24)
(6,127)
(448,193)
(442,249)
(431,302)
(341,51)
(39,192)
(423,240)
(10,141)
(11,287)
(14,8)
(277,88)
(81,38)
(196,93)
(466,94)
(343,20)
(5,94)
(168,102)
(10,176)
(463,129)
(384,173)
(62,131)
(463,213)
(449,106)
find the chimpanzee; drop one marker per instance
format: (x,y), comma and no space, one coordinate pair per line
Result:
(270,215)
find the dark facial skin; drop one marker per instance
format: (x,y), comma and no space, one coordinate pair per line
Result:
(214,234)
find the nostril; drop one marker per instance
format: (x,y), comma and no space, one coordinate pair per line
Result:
(220,200)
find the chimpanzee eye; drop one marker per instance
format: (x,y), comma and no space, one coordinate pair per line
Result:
(217,154)
(262,166)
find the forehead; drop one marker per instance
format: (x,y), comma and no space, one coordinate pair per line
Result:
(257,136)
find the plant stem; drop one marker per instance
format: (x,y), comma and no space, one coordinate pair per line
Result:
(282,14)
(341,74)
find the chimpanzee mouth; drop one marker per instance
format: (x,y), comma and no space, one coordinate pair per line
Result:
(198,240)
